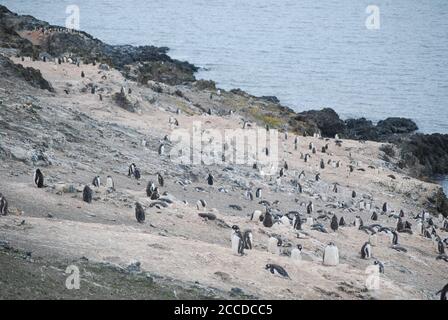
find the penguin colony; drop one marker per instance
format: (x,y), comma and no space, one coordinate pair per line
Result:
(304,219)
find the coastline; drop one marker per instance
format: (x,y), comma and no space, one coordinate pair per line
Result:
(116,106)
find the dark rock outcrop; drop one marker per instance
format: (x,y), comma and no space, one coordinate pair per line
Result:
(396,126)
(327,120)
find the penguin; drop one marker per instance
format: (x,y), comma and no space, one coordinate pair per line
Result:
(297,223)
(201,204)
(302,174)
(309,207)
(374,216)
(443,293)
(131,170)
(110,183)
(256,216)
(96,182)
(322,164)
(87,194)
(318,177)
(274,245)
(331,255)
(248,239)
(299,188)
(3,206)
(258,193)
(237,241)
(150,189)
(353,194)
(366,251)
(335,188)
(82,74)
(334,224)
(161,149)
(92,91)
(160,179)
(210,179)
(249,195)
(440,247)
(267,221)
(385,207)
(296,253)
(380,266)
(358,222)
(155,195)
(342,222)
(139,213)
(101,97)
(137,174)
(282,172)
(39,178)
(277,270)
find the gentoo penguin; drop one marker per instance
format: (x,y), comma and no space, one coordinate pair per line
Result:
(358,222)
(201,204)
(335,188)
(296,253)
(334,224)
(277,270)
(137,174)
(161,149)
(366,251)
(267,221)
(443,293)
(210,179)
(331,255)
(82,74)
(3,206)
(87,194)
(385,207)
(342,222)
(256,216)
(318,177)
(249,195)
(160,179)
(258,193)
(440,247)
(353,194)
(39,178)
(322,164)
(248,239)
(139,213)
(110,183)
(155,195)
(282,172)
(96,182)
(302,174)
(297,223)
(131,170)
(374,216)
(237,241)
(150,189)
(274,245)
(309,207)
(380,266)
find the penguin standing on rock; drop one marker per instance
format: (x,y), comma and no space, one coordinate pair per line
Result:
(277,270)
(150,189)
(161,149)
(131,170)
(380,265)
(248,239)
(237,241)
(160,179)
(110,183)
(374,216)
(331,255)
(258,193)
(334,224)
(87,194)
(3,206)
(39,178)
(296,253)
(297,223)
(268,221)
(342,222)
(139,213)
(366,251)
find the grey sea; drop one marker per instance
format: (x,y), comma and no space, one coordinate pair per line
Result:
(308,53)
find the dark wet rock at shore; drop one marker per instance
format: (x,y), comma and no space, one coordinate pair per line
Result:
(327,120)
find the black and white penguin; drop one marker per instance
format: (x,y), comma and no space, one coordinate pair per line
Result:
(248,239)
(443,293)
(385,207)
(210,179)
(87,194)
(96,182)
(150,187)
(277,270)
(297,222)
(441,247)
(131,170)
(342,222)
(334,224)
(353,194)
(82,74)
(3,206)
(366,251)
(322,164)
(201,204)
(374,216)
(268,221)
(282,172)
(296,253)
(331,255)
(139,213)
(310,208)
(110,185)
(161,149)
(380,266)
(38,178)
(318,177)
(302,174)
(335,188)
(249,195)
(155,195)
(160,179)
(258,193)
(237,241)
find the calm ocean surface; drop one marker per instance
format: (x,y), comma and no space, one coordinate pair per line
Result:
(308,53)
